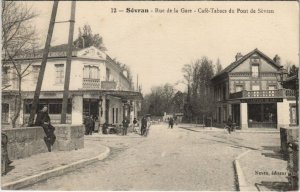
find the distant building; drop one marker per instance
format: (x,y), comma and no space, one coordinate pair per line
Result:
(98,87)
(248,90)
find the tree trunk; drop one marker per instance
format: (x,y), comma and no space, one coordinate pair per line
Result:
(18,103)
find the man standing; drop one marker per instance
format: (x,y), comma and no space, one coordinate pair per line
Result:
(229,124)
(144,126)
(125,126)
(88,123)
(171,122)
(43,119)
(5,162)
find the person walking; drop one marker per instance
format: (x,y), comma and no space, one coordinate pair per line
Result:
(105,128)
(143,126)
(125,126)
(134,123)
(229,124)
(171,122)
(43,119)
(88,123)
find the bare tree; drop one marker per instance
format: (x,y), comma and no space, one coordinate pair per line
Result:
(18,39)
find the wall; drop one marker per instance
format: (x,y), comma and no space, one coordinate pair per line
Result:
(27,141)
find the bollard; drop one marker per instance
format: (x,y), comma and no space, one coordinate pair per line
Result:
(292,167)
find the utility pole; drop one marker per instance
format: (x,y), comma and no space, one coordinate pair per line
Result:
(43,64)
(68,65)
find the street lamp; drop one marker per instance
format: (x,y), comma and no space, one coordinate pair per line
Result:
(281,75)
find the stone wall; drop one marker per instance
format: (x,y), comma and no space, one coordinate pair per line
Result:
(27,141)
(288,135)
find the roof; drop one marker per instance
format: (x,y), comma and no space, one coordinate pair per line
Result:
(233,65)
(62,47)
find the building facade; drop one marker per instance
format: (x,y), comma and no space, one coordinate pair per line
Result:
(249,92)
(98,87)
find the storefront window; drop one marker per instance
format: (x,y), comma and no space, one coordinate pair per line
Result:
(262,115)
(54,106)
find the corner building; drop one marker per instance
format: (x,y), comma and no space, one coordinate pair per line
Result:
(98,86)
(250,93)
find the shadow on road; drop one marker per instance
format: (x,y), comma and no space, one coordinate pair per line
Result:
(272,186)
(274,152)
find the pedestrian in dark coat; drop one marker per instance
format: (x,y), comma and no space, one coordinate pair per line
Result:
(105,128)
(5,161)
(125,123)
(229,124)
(143,126)
(171,122)
(43,119)
(88,122)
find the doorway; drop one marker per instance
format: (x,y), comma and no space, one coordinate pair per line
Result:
(236,113)
(91,107)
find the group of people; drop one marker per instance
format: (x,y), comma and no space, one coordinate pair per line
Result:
(145,124)
(107,130)
(90,123)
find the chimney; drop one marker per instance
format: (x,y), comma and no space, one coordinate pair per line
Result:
(238,56)
(276,59)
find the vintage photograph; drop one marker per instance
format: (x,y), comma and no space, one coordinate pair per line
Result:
(149,95)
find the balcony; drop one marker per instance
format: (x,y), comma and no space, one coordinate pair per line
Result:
(91,83)
(280,93)
(108,85)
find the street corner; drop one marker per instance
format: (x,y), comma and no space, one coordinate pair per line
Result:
(261,170)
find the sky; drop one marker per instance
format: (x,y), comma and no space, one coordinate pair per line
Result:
(157,45)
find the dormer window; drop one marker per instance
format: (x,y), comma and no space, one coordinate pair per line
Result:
(255,70)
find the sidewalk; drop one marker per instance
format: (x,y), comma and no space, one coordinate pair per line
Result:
(44,165)
(264,170)
(98,136)
(199,128)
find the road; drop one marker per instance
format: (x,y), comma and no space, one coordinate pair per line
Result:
(168,159)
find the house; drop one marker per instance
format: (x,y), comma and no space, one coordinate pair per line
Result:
(98,87)
(249,92)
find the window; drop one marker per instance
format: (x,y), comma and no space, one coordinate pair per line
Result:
(59,73)
(239,88)
(35,72)
(272,87)
(54,106)
(255,87)
(5,75)
(107,74)
(293,114)
(5,113)
(255,70)
(113,114)
(224,93)
(117,114)
(90,72)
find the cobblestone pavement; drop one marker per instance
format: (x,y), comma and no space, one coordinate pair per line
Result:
(168,159)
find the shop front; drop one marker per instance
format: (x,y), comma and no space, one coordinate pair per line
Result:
(262,115)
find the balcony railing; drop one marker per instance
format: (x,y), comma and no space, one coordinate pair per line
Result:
(91,83)
(280,93)
(108,85)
